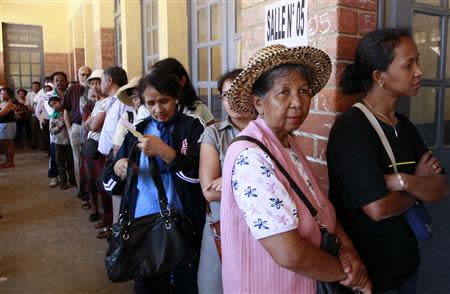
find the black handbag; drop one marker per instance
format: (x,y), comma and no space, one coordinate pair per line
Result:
(329,242)
(90,149)
(152,244)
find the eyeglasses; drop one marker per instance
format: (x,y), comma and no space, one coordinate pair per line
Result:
(224,95)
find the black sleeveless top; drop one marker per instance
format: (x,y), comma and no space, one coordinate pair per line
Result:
(8,118)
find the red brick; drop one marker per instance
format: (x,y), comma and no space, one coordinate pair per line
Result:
(336,72)
(307,144)
(347,20)
(346,46)
(320,171)
(333,100)
(2,70)
(321,150)
(319,124)
(56,62)
(367,22)
(370,5)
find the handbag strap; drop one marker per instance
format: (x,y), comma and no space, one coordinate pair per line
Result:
(376,125)
(292,183)
(125,201)
(157,179)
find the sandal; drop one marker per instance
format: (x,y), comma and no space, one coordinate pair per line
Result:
(86,205)
(106,233)
(99,225)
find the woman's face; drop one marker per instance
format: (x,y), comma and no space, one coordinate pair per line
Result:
(4,96)
(403,75)
(161,107)
(135,98)
(225,88)
(286,105)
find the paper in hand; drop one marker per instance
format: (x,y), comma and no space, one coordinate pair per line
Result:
(130,127)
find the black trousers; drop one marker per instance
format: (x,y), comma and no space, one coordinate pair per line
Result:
(64,160)
(182,280)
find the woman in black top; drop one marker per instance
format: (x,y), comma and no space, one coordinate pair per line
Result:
(7,125)
(370,198)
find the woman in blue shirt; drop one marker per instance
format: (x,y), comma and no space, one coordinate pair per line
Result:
(171,137)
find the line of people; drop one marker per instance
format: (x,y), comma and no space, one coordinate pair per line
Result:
(271,208)
(259,213)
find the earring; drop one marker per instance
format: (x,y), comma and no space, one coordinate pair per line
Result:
(261,114)
(381,84)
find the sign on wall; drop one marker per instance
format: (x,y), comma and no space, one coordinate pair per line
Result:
(287,23)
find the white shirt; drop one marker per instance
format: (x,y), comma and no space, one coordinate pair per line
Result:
(114,112)
(264,201)
(100,106)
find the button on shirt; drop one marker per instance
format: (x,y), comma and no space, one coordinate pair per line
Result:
(115,110)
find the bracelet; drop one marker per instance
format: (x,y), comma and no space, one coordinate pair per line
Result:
(401,181)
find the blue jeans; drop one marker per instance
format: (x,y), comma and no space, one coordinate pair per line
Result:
(52,165)
(408,287)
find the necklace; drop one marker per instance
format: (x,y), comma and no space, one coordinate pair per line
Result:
(384,116)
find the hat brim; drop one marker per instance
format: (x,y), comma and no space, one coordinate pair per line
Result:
(317,61)
(122,93)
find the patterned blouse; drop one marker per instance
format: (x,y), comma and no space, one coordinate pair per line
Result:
(264,201)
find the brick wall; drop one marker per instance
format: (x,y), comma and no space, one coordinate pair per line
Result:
(71,67)
(104,48)
(2,70)
(334,26)
(56,62)
(79,61)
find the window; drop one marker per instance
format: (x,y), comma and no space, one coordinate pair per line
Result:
(117,33)
(150,33)
(215,39)
(23,54)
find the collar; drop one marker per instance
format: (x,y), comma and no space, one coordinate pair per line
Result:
(226,124)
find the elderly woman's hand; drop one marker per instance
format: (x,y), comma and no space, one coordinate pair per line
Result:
(153,146)
(357,278)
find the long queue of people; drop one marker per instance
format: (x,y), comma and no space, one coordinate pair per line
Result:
(264,224)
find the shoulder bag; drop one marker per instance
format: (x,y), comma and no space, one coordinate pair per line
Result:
(329,242)
(151,244)
(417,215)
(214,226)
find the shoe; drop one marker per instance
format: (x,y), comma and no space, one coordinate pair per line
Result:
(86,205)
(93,217)
(53,182)
(106,233)
(7,165)
(99,225)
(63,186)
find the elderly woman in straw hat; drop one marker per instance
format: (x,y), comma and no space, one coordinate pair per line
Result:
(270,239)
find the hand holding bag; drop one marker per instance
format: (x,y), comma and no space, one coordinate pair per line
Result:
(329,242)
(151,244)
(417,215)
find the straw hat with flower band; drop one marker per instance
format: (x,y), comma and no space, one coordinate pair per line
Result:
(240,94)
(122,93)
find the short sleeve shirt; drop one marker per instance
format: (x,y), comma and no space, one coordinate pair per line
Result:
(202,111)
(263,200)
(357,163)
(220,136)
(100,106)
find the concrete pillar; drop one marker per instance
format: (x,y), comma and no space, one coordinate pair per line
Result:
(131,37)
(173,39)
(89,51)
